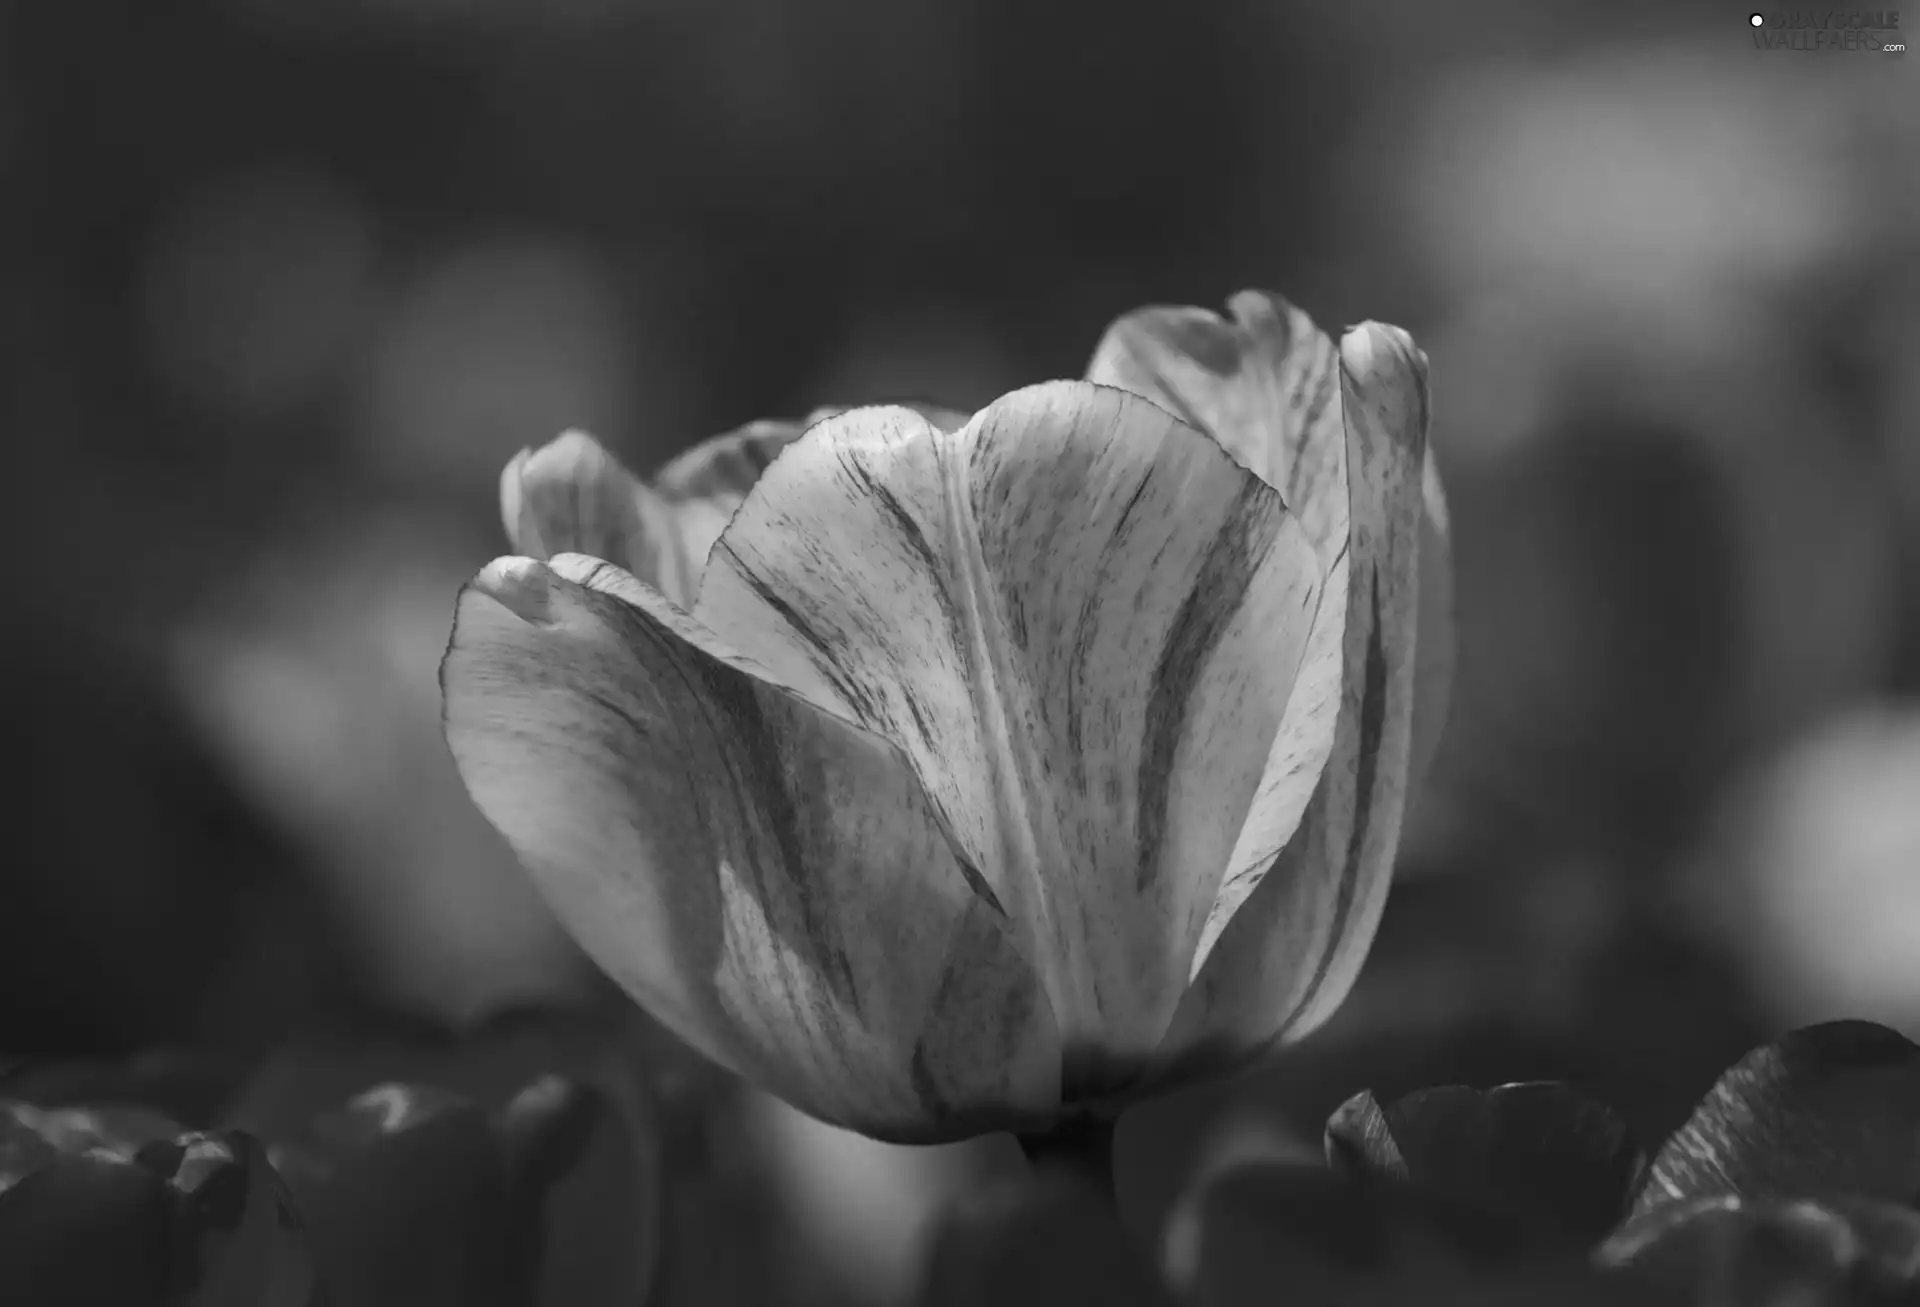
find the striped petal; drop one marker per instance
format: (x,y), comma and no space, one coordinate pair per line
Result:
(707,484)
(1288,956)
(571,496)
(1266,385)
(1081,622)
(767,879)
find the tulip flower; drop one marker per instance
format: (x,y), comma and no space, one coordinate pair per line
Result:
(992,769)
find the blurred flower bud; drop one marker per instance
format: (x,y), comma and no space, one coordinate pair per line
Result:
(116,1207)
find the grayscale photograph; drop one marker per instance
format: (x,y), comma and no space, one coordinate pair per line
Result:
(961,653)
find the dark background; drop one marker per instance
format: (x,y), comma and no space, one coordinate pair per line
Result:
(291,279)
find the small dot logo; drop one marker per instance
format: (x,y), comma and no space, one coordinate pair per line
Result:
(1756,20)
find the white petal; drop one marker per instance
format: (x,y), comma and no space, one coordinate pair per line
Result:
(767,880)
(571,496)
(1081,622)
(1290,953)
(1266,385)
(707,484)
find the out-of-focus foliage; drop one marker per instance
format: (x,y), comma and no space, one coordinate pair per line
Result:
(289,282)
(567,1157)
(1792,1183)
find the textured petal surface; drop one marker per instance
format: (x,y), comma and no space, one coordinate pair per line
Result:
(707,484)
(768,880)
(1081,622)
(1266,385)
(1289,954)
(571,496)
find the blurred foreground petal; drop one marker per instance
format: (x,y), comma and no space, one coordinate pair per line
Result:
(1825,1111)
(569,1107)
(1727,1251)
(414,1196)
(1557,1164)
(115,1216)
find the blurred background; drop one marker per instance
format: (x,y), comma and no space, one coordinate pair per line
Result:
(291,279)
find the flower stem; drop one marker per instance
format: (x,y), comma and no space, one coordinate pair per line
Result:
(1081,1146)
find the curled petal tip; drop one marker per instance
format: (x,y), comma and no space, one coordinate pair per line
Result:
(1373,344)
(523,586)
(512,499)
(566,455)
(573,442)
(1387,377)
(568,449)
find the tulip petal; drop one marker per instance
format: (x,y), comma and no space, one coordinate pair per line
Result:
(767,880)
(708,483)
(1289,954)
(1266,385)
(1081,622)
(571,496)
(727,466)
